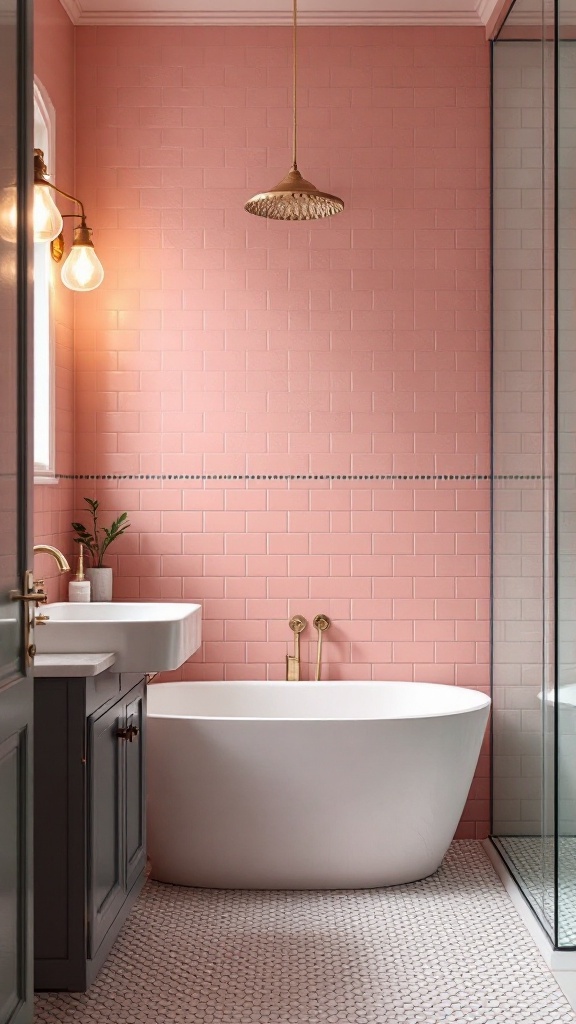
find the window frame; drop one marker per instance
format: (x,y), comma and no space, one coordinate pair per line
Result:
(45,419)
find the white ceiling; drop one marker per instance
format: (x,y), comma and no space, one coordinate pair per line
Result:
(279,12)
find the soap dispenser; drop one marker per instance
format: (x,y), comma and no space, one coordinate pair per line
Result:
(79,587)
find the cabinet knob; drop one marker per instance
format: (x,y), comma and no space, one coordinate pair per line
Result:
(128,734)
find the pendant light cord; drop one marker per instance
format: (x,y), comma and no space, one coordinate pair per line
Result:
(294,198)
(294,70)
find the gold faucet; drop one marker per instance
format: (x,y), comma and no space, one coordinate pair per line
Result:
(33,595)
(297,624)
(38,585)
(47,549)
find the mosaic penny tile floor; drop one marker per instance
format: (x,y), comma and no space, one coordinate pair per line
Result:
(532,860)
(446,950)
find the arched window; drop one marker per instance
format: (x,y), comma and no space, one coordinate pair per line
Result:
(44,360)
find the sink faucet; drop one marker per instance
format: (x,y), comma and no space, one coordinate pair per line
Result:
(57,555)
(34,595)
(62,563)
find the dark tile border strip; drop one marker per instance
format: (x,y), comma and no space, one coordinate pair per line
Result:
(297,476)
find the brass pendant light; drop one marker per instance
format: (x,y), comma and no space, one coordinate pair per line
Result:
(294,198)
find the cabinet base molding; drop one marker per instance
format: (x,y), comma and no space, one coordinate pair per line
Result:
(77,975)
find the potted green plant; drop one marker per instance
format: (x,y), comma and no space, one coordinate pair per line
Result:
(96,542)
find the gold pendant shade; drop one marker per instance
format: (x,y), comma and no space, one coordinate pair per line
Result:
(294,198)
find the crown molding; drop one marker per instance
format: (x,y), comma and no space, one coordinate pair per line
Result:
(492,12)
(73,10)
(484,9)
(471,13)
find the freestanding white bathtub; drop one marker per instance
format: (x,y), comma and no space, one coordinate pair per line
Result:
(330,785)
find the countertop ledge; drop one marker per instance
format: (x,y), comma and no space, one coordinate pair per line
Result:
(81,665)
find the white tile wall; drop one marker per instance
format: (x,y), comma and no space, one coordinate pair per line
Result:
(520,669)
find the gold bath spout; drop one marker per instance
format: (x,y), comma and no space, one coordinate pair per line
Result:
(297,624)
(320,622)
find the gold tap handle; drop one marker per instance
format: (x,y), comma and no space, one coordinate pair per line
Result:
(298,623)
(37,596)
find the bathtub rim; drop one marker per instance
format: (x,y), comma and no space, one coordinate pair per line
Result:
(483,701)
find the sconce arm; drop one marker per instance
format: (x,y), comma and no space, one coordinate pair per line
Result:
(80,216)
(68,196)
(40,178)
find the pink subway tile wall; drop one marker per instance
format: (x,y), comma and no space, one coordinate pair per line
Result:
(329,382)
(54,503)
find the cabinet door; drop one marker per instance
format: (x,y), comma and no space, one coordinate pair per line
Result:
(14,837)
(134,789)
(106,870)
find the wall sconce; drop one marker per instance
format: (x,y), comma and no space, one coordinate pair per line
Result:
(82,270)
(8,214)
(47,218)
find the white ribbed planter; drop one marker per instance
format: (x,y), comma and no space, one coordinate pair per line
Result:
(100,583)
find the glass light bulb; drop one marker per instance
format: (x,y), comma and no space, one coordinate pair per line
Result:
(47,217)
(8,268)
(9,214)
(82,271)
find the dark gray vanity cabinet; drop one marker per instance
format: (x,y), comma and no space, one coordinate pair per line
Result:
(90,856)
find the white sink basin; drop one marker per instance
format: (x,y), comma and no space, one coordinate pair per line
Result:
(152,636)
